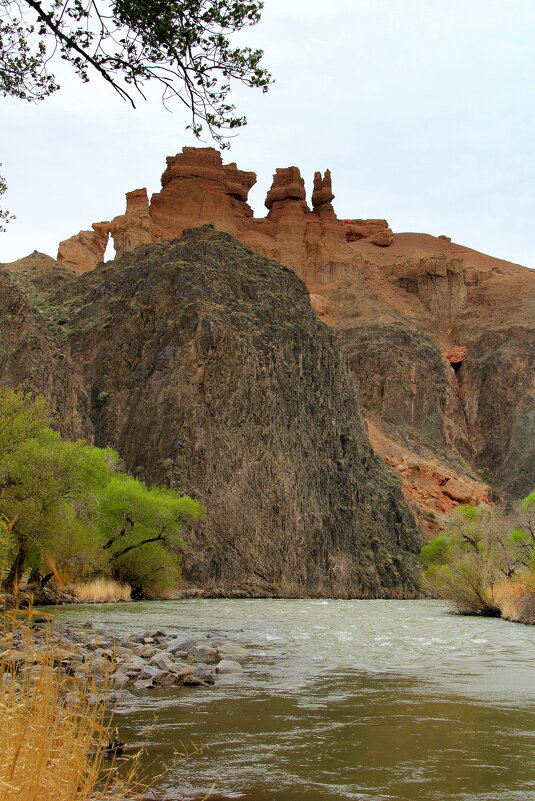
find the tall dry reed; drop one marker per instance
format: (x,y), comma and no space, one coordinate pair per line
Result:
(52,727)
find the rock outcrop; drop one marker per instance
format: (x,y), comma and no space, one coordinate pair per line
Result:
(85,250)
(30,355)
(204,364)
(438,336)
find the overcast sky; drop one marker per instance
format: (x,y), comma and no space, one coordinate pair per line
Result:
(422,109)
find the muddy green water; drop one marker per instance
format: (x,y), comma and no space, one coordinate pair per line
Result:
(365,700)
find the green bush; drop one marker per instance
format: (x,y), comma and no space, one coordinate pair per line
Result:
(141,527)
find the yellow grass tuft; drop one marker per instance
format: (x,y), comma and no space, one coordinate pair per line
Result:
(102,590)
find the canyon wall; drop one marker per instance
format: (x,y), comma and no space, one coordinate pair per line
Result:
(439,337)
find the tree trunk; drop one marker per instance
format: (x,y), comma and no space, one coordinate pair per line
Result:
(45,579)
(35,576)
(12,580)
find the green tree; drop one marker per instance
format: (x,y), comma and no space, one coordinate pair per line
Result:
(183,46)
(64,506)
(5,216)
(45,484)
(22,417)
(142,527)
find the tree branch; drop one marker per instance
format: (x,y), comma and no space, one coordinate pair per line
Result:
(71,43)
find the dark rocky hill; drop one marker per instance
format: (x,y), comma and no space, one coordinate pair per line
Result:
(203,363)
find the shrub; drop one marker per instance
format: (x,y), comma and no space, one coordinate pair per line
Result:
(101,590)
(72,513)
(480,554)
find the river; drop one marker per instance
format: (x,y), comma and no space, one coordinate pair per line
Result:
(367,700)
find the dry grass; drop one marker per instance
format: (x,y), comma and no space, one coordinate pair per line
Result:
(102,590)
(516,598)
(52,729)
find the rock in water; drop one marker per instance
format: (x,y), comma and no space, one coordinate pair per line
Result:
(228,666)
(207,369)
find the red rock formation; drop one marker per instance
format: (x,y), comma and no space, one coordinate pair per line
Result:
(287,186)
(363,229)
(197,188)
(457,355)
(405,307)
(322,196)
(137,201)
(135,226)
(383,238)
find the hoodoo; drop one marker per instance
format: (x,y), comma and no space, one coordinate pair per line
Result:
(197,188)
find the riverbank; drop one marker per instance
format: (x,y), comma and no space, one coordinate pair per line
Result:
(514,598)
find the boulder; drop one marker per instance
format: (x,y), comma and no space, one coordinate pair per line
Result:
(162,660)
(182,673)
(179,644)
(166,679)
(382,239)
(144,684)
(149,672)
(200,675)
(205,654)
(458,490)
(228,666)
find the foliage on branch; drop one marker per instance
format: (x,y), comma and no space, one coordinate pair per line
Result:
(185,47)
(5,216)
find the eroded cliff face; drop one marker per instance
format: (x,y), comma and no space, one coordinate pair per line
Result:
(439,337)
(440,340)
(203,363)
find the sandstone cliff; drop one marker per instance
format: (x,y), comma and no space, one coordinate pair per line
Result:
(203,363)
(438,336)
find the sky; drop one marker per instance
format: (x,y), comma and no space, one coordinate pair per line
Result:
(423,110)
